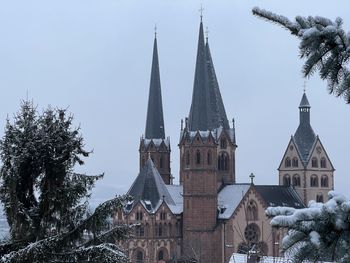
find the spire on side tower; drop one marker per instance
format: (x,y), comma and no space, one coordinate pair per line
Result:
(155,121)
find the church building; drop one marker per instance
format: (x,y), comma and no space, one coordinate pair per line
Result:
(208,216)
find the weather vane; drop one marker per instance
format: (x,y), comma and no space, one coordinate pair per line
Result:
(304,86)
(155,30)
(201,11)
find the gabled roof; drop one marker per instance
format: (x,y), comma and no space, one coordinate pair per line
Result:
(155,121)
(229,198)
(207,109)
(279,195)
(150,188)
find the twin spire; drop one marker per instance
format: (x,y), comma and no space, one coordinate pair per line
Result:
(207,110)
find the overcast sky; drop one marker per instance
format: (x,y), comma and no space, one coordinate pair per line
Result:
(94,56)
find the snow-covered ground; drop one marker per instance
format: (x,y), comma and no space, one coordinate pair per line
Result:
(242,258)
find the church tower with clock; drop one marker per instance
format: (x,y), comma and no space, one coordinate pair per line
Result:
(305,164)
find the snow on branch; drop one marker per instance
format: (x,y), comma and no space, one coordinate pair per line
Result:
(318,232)
(323,43)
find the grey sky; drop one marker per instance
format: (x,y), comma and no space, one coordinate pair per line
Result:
(95,57)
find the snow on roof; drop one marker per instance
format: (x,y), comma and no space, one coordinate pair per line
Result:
(157,142)
(176,194)
(229,198)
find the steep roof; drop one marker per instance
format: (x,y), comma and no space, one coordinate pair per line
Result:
(279,195)
(150,187)
(207,109)
(155,121)
(304,137)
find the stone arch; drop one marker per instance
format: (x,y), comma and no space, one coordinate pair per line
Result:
(295,162)
(209,157)
(286,180)
(139,255)
(287,162)
(162,255)
(324,181)
(314,180)
(296,180)
(252,211)
(223,162)
(198,157)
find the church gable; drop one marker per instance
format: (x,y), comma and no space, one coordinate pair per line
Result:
(291,159)
(319,159)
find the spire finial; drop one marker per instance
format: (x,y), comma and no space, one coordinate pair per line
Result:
(206,33)
(155,30)
(251,178)
(201,11)
(304,86)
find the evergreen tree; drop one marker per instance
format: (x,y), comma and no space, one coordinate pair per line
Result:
(320,232)
(45,200)
(324,44)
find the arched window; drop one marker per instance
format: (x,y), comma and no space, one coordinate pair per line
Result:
(324,181)
(223,143)
(198,157)
(140,231)
(161,255)
(295,162)
(287,162)
(187,158)
(139,215)
(319,198)
(252,211)
(323,163)
(161,162)
(209,158)
(314,162)
(223,162)
(160,230)
(139,256)
(296,180)
(314,180)
(286,180)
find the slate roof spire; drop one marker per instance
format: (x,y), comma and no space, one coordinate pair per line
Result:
(304,136)
(207,110)
(155,121)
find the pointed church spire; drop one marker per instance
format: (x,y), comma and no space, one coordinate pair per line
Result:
(155,121)
(207,109)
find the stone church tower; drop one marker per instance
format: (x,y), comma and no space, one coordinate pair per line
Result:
(154,142)
(305,164)
(207,154)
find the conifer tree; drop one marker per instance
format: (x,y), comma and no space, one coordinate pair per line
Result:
(325,46)
(45,201)
(320,232)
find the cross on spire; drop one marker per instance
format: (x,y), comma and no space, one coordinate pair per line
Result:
(201,11)
(155,30)
(304,86)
